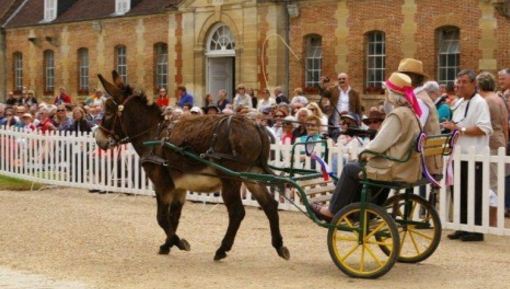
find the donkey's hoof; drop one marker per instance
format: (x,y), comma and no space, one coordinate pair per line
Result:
(220,255)
(283,252)
(184,245)
(164,250)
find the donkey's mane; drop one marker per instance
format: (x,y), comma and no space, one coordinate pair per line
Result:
(142,97)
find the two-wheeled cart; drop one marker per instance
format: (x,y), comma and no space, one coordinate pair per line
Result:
(364,239)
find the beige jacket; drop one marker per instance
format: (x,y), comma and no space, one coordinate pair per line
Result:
(499,121)
(397,136)
(434,163)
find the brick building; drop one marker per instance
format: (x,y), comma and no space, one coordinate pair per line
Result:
(7,10)
(211,44)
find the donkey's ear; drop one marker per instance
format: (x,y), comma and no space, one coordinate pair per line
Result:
(117,80)
(111,89)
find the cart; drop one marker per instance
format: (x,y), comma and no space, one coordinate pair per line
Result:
(364,239)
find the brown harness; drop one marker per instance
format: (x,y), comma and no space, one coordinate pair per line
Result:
(117,118)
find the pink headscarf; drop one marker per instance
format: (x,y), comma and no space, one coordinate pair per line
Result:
(408,93)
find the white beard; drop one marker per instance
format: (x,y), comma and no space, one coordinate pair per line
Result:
(388,107)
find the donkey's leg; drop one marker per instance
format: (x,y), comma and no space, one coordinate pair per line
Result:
(232,199)
(174,216)
(270,207)
(169,213)
(163,200)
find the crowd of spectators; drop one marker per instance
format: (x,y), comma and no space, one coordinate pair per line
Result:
(25,111)
(338,115)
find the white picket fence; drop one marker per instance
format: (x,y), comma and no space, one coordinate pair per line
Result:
(74,160)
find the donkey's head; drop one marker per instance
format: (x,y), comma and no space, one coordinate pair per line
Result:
(112,132)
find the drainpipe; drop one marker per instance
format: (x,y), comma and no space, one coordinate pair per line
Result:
(287,38)
(3,67)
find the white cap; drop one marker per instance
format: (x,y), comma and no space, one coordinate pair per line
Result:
(196,109)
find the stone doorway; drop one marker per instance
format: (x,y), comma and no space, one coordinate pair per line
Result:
(220,54)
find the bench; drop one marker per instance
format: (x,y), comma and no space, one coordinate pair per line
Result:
(428,146)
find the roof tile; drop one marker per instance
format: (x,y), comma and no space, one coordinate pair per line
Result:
(33,11)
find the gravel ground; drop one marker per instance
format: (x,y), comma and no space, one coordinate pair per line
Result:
(111,241)
(25,280)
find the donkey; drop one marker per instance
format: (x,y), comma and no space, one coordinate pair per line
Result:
(238,144)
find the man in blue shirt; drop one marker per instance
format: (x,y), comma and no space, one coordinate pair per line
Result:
(184,97)
(2,109)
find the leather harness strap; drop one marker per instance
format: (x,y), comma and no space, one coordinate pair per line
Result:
(211,153)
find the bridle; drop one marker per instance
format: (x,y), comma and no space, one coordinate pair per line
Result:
(115,139)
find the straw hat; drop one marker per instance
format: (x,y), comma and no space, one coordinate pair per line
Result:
(399,80)
(400,84)
(411,65)
(27,115)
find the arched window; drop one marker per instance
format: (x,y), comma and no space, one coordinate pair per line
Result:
(17,69)
(49,71)
(221,42)
(121,62)
(448,54)
(160,65)
(83,71)
(313,62)
(375,54)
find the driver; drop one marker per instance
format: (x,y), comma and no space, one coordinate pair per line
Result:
(398,133)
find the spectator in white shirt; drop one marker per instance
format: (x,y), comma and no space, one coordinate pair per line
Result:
(472,119)
(342,99)
(265,100)
(242,99)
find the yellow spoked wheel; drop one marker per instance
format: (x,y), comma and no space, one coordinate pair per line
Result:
(354,247)
(420,231)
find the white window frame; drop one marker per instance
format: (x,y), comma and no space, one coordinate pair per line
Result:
(161,65)
(49,71)
(375,59)
(221,42)
(83,70)
(122,6)
(50,10)
(313,61)
(448,55)
(121,62)
(18,71)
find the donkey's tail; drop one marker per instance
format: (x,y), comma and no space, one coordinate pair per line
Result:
(266,150)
